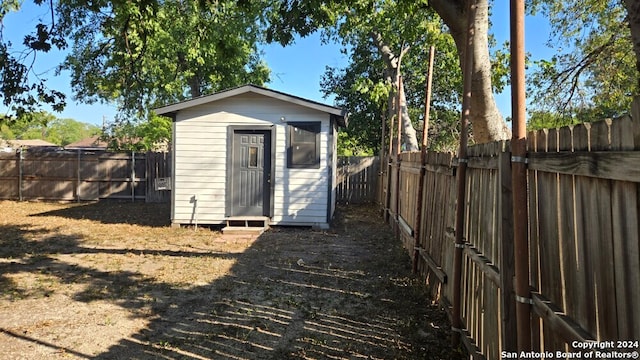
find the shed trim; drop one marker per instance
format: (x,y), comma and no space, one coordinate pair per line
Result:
(171,110)
(333,165)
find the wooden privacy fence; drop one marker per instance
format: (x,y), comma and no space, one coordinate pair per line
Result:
(584,257)
(82,175)
(357,179)
(89,175)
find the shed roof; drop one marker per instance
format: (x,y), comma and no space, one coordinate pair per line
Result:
(171,110)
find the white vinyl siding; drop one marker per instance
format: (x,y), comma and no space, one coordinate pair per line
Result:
(200,153)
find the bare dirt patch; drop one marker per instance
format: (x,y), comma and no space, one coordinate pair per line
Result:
(112,280)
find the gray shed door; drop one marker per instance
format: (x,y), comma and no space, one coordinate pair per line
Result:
(250,183)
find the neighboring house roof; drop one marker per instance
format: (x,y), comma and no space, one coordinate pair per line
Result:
(91,143)
(171,110)
(29,143)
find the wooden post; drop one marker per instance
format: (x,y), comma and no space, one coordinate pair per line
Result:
(635,116)
(381,171)
(398,151)
(423,161)
(456,321)
(78,177)
(150,174)
(389,165)
(507,299)
(133,176)
(383,120)
(399,115)
(519,177)
(20,172)
(427,100)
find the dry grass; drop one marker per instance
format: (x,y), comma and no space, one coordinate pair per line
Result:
(113,280)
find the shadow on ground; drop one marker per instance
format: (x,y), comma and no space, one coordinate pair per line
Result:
(117,212)
(294,293)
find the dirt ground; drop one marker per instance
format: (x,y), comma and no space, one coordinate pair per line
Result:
(112,280)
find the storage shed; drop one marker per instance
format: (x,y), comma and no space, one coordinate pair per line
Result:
(252,154)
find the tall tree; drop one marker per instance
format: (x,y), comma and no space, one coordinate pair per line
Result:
(304,17)
(46,126)
(65,131)
(391,37)
(363,85)
(382,24)
(20,92)
(633,16)
(486,119)
(152,134)
(146,53)
(136,53)
(595,69)
(31,125)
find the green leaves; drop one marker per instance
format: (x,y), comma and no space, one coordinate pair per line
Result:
(365,85)
(7,6)
(146,54)
(20,93)
(154,133)
(376,92)
(44,125)
(593,72)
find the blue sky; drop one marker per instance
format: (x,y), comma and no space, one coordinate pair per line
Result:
(296,69)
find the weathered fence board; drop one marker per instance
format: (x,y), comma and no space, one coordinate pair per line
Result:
(584,237)
(85,175)
(357,179)
(587,230)
(158,166)
(78,175)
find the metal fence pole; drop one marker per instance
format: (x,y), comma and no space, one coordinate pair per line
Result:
(133,176)
(461,174)
(519,177)
(78,174)
(20,175)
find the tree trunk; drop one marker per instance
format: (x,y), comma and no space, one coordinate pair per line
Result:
(409,137)
(392,62)
(391,113)
(194,80)
(488,124)
(194,86)
(633,13)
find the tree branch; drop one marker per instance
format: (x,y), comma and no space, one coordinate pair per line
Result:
(633,14)
(572,74)
(451,13)
(387,55)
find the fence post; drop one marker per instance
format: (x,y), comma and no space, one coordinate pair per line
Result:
(133,176)
(397,217)
(399,159)
(635,113)
(461,175)
(78,177)
(519,177)
(387,200)
(20,172)
(423,160)
(149,178)
(381,170)
(507,274)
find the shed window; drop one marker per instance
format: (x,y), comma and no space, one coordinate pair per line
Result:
(304,145)
(253,157)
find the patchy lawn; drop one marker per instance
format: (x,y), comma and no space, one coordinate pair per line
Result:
(112,280)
